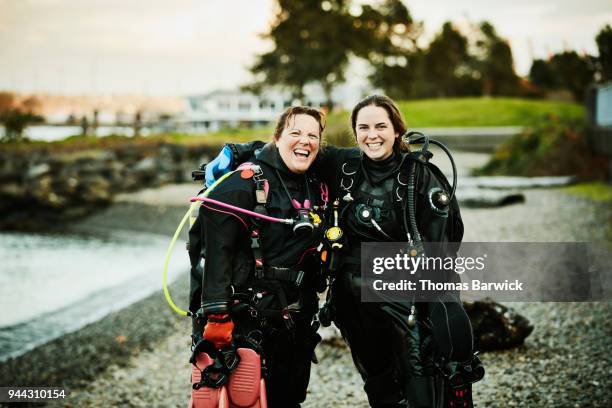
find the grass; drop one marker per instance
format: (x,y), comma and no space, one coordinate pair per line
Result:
(464,112)
(453,112)
(468,112)
(596,191)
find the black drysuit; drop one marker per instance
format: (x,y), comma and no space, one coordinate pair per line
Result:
(395,360)
(229,272)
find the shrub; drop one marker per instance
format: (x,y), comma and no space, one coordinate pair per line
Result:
(553,146)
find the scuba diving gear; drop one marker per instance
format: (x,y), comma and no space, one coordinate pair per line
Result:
(218,166)
(282,298)
(459,374)
(230,378)
(218,330)
(426,154)
(264,217)
(194,255)
(261,272)
(379,211)
(438,200)
(334,238)
(411,210)
(418,195)
(458,380)
(303,223)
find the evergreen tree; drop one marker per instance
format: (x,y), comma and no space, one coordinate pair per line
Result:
(447,62)
(604,45)
(496,63)
(573,72)
(541,74)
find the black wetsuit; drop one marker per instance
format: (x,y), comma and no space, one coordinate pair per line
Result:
(230,273)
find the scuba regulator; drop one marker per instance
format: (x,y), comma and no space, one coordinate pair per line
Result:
(439,199)
(334,242)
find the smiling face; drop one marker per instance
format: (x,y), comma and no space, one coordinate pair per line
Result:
(375,133)
(298,143)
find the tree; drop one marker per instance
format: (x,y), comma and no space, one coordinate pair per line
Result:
(312,42)
(17,114)
(496,63)
(564,71)
(604,45)
(447,62)
(542,75)
(573,72)
(386,36)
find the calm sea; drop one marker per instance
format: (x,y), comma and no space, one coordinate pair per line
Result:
(52,284)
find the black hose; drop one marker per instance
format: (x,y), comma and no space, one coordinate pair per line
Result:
(425,140)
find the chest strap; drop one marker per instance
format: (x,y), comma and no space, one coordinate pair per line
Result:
(283,274)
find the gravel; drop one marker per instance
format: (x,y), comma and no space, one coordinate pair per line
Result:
(564,363)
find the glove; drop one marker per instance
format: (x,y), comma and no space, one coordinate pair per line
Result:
(219,166)
(218,330)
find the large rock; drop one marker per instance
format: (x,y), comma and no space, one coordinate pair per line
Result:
(496,326)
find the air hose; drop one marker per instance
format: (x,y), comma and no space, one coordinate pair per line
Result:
(187,215)
(196,202)
(425,140)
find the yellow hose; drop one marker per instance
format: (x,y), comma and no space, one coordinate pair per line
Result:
(192,207)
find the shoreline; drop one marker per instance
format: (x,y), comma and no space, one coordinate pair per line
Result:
(75,358)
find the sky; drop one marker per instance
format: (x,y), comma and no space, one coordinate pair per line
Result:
(160,47)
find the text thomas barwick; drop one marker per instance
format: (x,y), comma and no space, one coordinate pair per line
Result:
(427,285)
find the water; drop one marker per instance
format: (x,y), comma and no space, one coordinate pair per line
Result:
(52,284)
(50,133)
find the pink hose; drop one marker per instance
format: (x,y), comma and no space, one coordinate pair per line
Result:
(242,210)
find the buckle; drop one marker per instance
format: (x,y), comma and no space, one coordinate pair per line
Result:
(300,278)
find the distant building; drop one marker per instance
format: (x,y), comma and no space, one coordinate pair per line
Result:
(232,108)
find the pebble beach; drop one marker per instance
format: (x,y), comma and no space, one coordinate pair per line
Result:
(138,356)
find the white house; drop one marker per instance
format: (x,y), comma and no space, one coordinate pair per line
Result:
(233,108)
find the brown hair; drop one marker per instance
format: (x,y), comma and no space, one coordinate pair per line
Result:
(298,110)
(395,116)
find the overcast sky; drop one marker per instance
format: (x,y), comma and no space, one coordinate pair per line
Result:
(194,46)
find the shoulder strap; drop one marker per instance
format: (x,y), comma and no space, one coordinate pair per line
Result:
(262,187)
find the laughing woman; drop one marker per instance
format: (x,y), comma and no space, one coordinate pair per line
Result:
(260,276)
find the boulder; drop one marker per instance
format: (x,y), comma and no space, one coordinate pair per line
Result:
(496,326)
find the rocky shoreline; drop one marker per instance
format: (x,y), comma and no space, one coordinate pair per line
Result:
(41,186)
